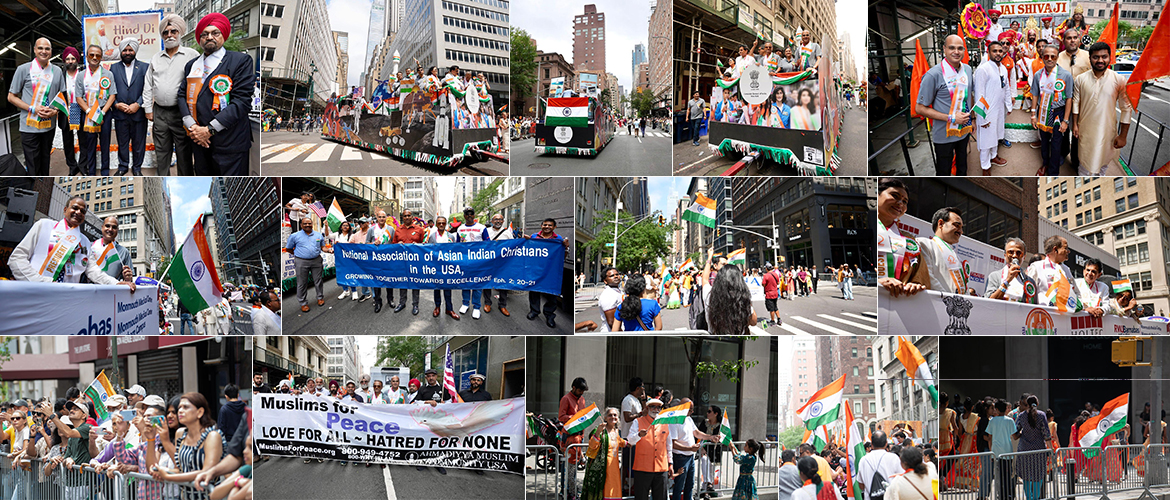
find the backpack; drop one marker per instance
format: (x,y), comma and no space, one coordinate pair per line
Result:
(877,486)
(697,319)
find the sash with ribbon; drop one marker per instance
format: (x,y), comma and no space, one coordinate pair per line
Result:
(395,397)
(801,120)
(897,253)
(1051,90)
(953,265)
(957,84)
(772,63)
(775,117)
(194,86)
(380,235)
(56,252)
(1020,289)
(806,54)
(1091,295)
(42,79)
(221,87)
(97,88)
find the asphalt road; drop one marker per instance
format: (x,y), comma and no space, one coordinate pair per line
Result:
(286,153)
(358,318)
(624,155)
(823,313)
(291,478)
(1144,136)
(241,323)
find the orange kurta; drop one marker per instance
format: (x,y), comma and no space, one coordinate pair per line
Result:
(613,471)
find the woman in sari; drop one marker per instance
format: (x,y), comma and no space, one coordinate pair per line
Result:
(1115,459)
(969,468)
(1032,435)
(603,478)
(1074,441)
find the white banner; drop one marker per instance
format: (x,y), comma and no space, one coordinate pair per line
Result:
(486,435)
(755,285)
(35,308)
(937,313)
(977,257)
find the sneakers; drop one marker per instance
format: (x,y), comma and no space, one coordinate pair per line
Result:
(342,296)
(475,314)
(1006,143)
(355,295)
(463,310)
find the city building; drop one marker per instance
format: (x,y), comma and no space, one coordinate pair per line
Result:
(549,65)
(244,16)
(1137,13)
(278,356)
(697,238)
(1126,217)
(247,213)
(39,367)
(376,62)
(801,378)
(142,207)
(643,81)
(594,195)
(165,7)
(851,356)
(589,40)
(341,46)
(846,65)
(499,359)
(608,363)
(379,29)
(344,362)
(659,61)
(420,197)
(993,209)
(615,95)
(899,397)
(637,56)
(471,34)
(298,63)
(510,201)
(810,222)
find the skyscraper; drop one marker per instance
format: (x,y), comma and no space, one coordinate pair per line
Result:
(589,41)
(638,57)
(379,26)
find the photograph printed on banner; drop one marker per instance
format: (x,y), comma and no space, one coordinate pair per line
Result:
(395,413)
(1032,256)
(475,254)
(127,416)
(138,255)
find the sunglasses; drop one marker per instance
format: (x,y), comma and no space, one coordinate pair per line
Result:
(211,34)
(1047,58)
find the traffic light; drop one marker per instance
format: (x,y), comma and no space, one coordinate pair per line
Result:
(661,220)
(1130,351)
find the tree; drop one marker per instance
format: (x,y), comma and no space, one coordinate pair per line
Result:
(730,370)
(605,95)
(640,245)
(791,437)
(5,356)
(402,350)
(482,201)
(640,101)
(1142,35)
(523,61)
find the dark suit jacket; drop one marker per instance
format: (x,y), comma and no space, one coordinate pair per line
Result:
(129,92)
(236,136)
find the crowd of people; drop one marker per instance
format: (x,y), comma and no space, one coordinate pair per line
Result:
(896,466)
(304,123)
(176,446)
(308,244)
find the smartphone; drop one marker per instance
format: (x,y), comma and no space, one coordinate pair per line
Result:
(158,421)
(128,414)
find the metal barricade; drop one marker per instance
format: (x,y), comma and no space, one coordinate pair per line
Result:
(83,483)
(573,472)
(1077,474)
(139,485)
(1023,475)
(543,481)
(966,477)
(1153,465)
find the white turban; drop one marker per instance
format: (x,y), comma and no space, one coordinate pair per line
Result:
(174,19)
(131,41)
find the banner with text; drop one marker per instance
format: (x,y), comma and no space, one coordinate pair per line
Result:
(936,313)
(521,264)
(486,435)
(108,30)
(35,308)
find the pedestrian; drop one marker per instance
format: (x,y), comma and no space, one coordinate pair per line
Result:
(603,477)
(1098,97)
(34,86)
(344,235)
(637,311)
(475,390)
(1032,426)
(231,413)
(306,246)
(570,404)
(788,476)
(695,116)
(1001,428)
(129,117)
(642,127)
(771,282)
(916,482)
(547,231)
(814,487)
(686,442)
(730,296)
(877,466)
(407,233)
(265,319)
(199,444)
(946,99)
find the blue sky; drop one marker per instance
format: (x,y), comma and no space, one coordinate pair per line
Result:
(188,200)
(665,189)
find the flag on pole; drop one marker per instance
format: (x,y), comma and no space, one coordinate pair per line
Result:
(98,391)
(1112,418)
(567,111)
(920,68)
(738,257)
(686,265)
(917,368)
(823,406)
(583,419)
(725,429)
(702,211)
(818,439)
(855,448)
(192,272)
(318,209)
(449,377)
(1155,61)
(982,107)
(335,216)
(1109,34)
(673,415)
(1122,286)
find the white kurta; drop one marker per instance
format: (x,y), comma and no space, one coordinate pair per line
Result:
(989,86)
(1096,101)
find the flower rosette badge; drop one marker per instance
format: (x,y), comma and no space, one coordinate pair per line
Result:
(221,86)
(104,83)
(974,21)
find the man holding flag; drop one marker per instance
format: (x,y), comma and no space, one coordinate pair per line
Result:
(1053,278)
(571,411)
(683,436)
(993,100)
(35,84)
(653,451)
(112,258)
(95,92)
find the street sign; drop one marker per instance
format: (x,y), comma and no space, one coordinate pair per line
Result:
(609,244)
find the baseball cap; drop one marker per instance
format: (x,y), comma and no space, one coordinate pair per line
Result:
(116,400)
(654,401)
(67,420)
(430,371)
(80,405)
(20,402)
(151,400)
(136,390)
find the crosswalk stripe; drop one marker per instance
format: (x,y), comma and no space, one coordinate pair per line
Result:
(290,154)
(822,326)
(850,323)
(858,316)
(350,153)
(276,148)
(322,153)
(794,330)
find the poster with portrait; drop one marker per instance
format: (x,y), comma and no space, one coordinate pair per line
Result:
(108,30)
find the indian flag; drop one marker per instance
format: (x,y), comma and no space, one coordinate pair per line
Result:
(725,429)
(673,415)
(818,439)
(582,420)
(686,265)
(335,216)
(917,368)
(981,107)
(98,391)
(855,447)
(701,211)
(567,112)
(192,272)
(1122,286)
(1112,418)
(738,257)
(822,407)
(60,103)
(107,255)
(1060,295)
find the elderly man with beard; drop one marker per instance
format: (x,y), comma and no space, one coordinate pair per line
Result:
(160,98)
(70,122)
(34,85)
(56,251)
(476,392)
(653,454)
(129,118)
(215,101)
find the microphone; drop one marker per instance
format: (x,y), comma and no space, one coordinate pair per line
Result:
(1016,262)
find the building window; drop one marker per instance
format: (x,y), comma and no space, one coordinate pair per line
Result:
(855,352)
(856,389)
(1119,205)
(1133,201)
(272,10)
(269,30)
(267,53)
(1118,184)
(869,371)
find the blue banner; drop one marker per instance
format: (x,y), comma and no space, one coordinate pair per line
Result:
(518,264)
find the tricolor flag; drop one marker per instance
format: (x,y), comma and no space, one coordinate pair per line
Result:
(1112,418)
(318,209)
(855,448)
(1155,61)
(725,429)
(981,107)
(738,257)
(582,420)
(1122,286)
(192,272)
(60,103)
(335,216)
(108,256)
(686,265)
(98,391)
(674,415)
(567,112)
(1060,295)
(917,368)
(449,377)
(818,439)
(822,407)
(701,211)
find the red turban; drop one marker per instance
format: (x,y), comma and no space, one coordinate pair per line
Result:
(994,12)
(214,19)
(70,51)
(1049,19)
(1007,36)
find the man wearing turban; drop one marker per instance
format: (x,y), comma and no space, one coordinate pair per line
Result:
(160,98)
(71,121)
(129,117)
(214,101)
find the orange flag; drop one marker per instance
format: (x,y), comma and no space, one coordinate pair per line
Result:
(1109,34)
(1155,61)
(920,68)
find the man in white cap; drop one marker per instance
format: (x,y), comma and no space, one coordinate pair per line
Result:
(129,117)
(653,453)
(160,98)
(476,392)
(135,394)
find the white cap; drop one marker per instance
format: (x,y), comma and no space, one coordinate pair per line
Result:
(654,401)
(137,390)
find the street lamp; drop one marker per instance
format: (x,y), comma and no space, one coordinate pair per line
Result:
(312,76)
(617,207)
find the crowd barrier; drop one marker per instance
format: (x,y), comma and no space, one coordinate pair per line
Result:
(30,481)
(552,476)
(1050,474)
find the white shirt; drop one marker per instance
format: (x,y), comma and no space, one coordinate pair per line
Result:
(470,232)
(295,214)
(211,62)
(164,76)
(609,299)
(22,267)
(1046,273)
(1093,296)
(265,322)
(879,462)
(685,434)
(502,233)
(629,404)
(129,69)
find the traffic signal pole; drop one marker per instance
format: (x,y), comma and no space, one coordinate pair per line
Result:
(1156,472)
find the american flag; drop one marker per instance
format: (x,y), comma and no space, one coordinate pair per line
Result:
(318,209)
(449,377)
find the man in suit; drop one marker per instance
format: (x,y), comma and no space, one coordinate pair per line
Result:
(215,100)
(129,117)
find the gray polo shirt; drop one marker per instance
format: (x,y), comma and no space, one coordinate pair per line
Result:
(933,92)
(23,86)
(1062,74)
(696,109)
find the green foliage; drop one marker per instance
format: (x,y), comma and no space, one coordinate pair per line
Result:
(5,356)
(481,203)
(641,244)
(234,43)
(402,350)
(1141,35)
(523,64)
(640,101)
(726,370)
(791,437)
